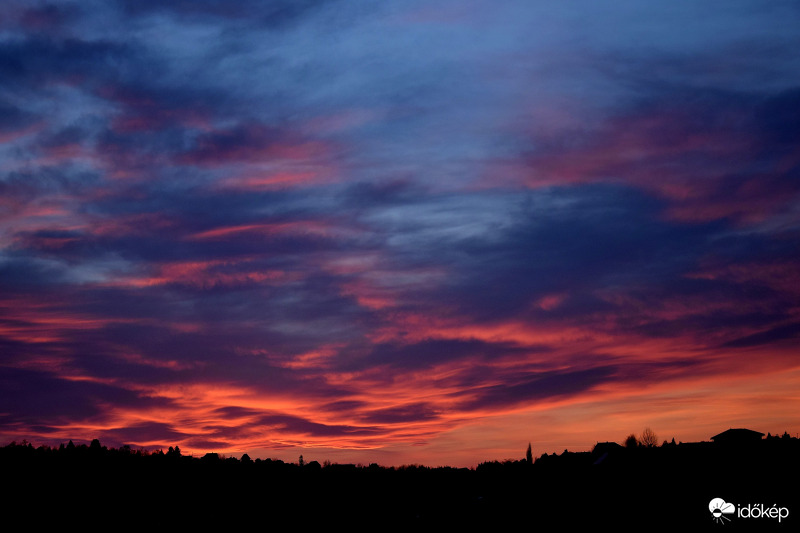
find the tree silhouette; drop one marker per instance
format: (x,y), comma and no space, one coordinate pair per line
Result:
(648,438)
(95,446)
(631,441)
(529,454)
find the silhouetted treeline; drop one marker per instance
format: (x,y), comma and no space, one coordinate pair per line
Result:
(671,484)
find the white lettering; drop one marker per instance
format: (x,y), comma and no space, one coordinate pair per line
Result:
(757,510)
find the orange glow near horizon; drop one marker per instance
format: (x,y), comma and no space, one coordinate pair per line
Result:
(575,424)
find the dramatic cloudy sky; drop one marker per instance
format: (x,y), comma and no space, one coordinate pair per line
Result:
(412,231)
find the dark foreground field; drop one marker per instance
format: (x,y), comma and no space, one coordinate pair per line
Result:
(631,489)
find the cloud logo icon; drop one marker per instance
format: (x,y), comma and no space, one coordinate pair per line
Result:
(719,508)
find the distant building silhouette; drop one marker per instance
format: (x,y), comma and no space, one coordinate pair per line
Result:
(602,450)
(605,447)
(737,437)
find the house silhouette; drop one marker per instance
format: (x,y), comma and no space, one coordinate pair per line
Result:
(737,436)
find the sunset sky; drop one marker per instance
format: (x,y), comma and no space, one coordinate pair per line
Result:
(398,232)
